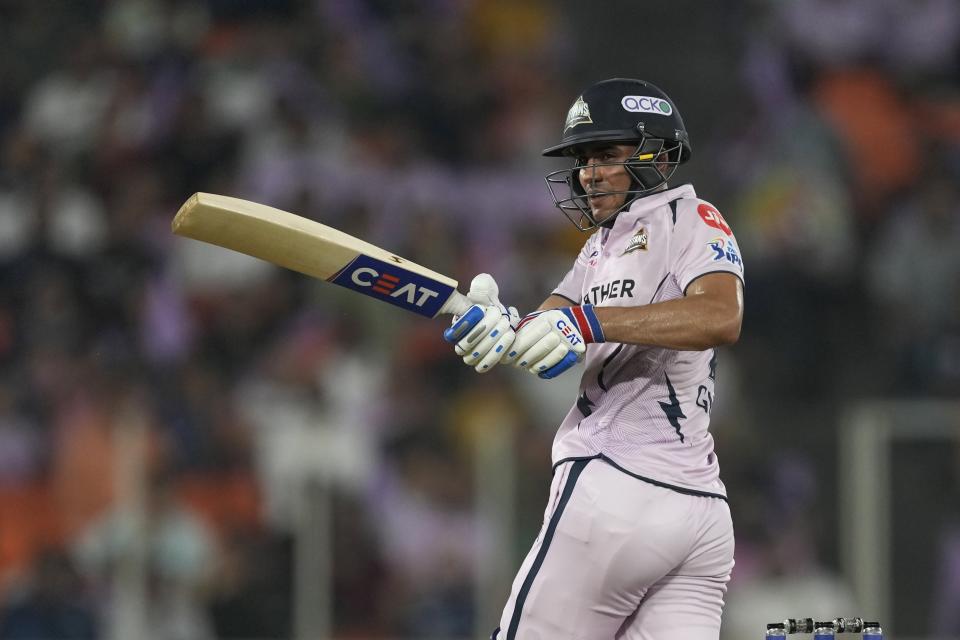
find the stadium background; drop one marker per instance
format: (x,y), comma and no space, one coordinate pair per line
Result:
(173,418)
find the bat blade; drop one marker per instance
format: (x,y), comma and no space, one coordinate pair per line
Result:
(316,250)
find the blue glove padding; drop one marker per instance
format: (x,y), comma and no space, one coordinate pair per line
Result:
(462,325)
(568,361)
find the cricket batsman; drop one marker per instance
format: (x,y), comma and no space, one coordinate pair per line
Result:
(637,540)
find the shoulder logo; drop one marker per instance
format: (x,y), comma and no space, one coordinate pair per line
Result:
(725,249)
(638,242)
(579,114)
(646,104)
(712,218)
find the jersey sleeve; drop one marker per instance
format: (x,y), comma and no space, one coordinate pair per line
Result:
(571,287)
(705,243)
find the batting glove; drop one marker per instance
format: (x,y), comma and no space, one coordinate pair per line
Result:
(485,331)
(550,342)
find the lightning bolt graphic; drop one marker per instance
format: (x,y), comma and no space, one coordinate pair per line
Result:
(672,409)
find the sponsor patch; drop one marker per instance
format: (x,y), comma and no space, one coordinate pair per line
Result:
(393,284)
(609,290)
(725,249)
(638,242)
(579,114)
(646,104)
(712,218)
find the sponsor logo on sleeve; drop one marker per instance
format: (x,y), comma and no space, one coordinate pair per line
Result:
(712,218)
(393,284)
(579,114)
(725,249)
(646,104)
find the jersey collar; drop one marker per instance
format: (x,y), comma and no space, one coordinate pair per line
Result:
(660,198)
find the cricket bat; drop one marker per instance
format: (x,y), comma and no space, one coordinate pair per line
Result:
(319,251)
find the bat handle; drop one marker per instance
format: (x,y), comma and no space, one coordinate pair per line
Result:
(456,304)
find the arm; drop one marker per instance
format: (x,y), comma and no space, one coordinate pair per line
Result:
(549,341)
(554,302)
(709,315)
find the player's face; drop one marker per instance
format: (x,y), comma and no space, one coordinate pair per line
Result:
(604,178)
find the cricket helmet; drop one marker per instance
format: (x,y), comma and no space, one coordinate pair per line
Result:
(619,111)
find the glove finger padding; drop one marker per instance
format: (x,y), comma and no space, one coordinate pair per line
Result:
(495,352)
(565,363)
(552,357)
(539,350)
(464,325)
(529,333)
(481,330)
(492,342)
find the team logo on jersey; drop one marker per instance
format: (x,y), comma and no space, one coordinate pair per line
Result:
(593,259)
(712,218)
(724,249)
(579,114)
(638,242)
(646,104)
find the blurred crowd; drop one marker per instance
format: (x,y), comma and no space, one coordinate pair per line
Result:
(163,404)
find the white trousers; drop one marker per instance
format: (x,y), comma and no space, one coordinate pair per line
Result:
(619,558)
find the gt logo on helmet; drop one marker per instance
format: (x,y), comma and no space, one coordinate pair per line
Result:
(579,114)
(646,104)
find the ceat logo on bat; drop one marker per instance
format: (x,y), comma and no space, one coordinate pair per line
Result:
(713,218)
(393,284)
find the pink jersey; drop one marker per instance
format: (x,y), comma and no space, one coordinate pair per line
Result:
(647,409)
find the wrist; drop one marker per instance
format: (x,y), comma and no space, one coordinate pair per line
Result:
(585,318)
